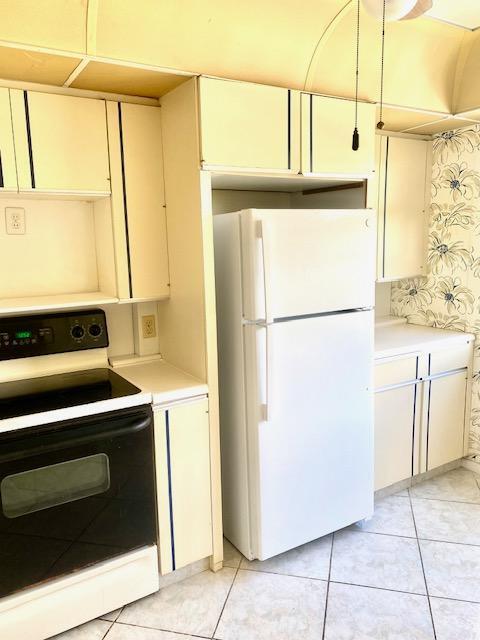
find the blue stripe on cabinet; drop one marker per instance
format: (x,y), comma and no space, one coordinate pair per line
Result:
(415,386)
(29,139)
(125,211)
(170,500)
(289,129)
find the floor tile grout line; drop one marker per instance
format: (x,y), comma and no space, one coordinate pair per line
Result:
(473,504)
(108,630)
(370,586)
(286,575)
(226,599)
(118,615)
(397,535)
(328,587)
(178,633)
(423,567)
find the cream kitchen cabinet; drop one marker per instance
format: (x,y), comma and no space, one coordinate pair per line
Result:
(182,456)
(327,127)
(248,126)
(8,171)
(394,436)
(446,418)
(403,166)
(60,143)
(138,201)
(420,404)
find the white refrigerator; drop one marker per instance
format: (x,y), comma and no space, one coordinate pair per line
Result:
(295,298)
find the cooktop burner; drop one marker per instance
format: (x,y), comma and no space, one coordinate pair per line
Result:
(34,395)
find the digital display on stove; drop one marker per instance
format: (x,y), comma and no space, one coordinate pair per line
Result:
(21,335)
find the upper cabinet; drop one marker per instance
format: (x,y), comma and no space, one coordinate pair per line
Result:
(61,143)
(138,201)
(327,128)
(403,165)
(8,172)
(248,126)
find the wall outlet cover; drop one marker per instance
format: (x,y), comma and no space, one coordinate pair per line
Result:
(149,330)
(15,220)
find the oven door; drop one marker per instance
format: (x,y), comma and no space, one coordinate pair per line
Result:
(73,494)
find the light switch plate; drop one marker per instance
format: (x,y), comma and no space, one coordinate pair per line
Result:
(15,220)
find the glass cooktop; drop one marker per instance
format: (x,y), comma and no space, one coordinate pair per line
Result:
(60,391)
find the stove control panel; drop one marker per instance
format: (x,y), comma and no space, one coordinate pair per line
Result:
(27,336)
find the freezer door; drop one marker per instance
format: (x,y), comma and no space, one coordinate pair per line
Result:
(310,428)
(301,262)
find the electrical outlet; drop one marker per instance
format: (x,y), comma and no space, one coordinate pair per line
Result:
(15,220)
(148,326)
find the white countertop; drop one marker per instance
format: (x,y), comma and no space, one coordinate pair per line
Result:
(165,382)
(393,336)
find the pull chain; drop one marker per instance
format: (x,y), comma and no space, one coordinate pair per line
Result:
(380,123)
(356,137)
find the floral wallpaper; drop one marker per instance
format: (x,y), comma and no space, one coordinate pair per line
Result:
(449,296)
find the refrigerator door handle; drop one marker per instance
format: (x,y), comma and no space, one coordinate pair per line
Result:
(267,406)
(266,268)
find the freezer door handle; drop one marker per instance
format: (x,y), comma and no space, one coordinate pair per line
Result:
(265,266)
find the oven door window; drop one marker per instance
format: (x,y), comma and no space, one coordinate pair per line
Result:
(56,484)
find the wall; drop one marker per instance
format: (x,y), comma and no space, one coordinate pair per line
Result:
(228,200)
(383,293)
(58,234)
(449,297)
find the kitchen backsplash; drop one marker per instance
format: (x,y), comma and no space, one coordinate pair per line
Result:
(449,296)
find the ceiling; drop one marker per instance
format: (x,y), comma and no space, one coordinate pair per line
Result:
(462,13)
(147,48)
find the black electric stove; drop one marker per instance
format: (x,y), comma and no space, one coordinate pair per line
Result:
(60,391)
(80,491)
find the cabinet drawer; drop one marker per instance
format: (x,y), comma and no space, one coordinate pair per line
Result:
(395,372)
(449,359)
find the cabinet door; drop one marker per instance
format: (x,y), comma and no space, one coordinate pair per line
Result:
(138,201)
(145,200)
(446,419)
(8,172)
(327,128)
(61,143)
(402,201)
(395,435)
(247,126)
(182,446)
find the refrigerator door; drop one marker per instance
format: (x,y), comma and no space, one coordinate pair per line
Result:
(302,262)
(310,428)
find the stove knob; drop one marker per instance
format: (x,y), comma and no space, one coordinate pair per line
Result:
(77,332)
(94,330)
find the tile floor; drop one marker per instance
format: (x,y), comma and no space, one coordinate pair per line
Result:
(412,572)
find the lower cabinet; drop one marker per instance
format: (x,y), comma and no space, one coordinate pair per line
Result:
(394,433)
(419,423)
(182,458)
(446,418)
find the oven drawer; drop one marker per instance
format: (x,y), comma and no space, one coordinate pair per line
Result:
(74,494)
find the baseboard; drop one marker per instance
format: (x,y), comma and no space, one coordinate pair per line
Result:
(184,573)
(421,477)
(472,463)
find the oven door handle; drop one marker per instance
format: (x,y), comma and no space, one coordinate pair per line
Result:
(55,442)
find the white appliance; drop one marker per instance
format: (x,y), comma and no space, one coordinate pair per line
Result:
(295,298)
